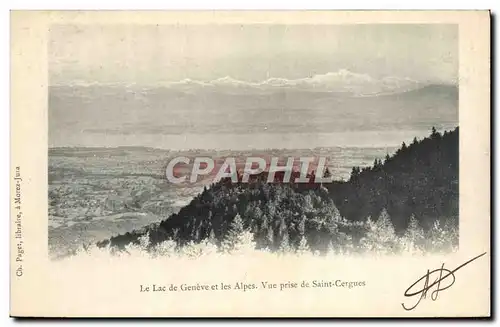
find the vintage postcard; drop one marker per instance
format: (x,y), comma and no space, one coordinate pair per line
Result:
(250,164)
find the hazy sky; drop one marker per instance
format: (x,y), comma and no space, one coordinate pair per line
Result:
(285,117)
(150,53)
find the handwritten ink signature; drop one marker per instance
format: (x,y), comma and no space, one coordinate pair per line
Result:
(443,274)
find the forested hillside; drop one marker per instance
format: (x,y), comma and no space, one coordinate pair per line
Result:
(409,197)
(420,179)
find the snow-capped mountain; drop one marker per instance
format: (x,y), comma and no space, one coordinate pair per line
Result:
(342,81)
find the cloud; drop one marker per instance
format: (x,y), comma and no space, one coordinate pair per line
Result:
(342,81)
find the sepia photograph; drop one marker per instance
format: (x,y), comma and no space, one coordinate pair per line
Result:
(263,147)
(378,102)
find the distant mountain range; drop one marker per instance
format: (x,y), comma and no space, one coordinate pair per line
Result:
(342,82)
(176,118)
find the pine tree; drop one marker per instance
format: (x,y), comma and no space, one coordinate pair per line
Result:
(308,203)
(257,213)
(330,224)
(381,235)
(167,248)
(330,250)
(384,222)
(404,147)
(211,237)
(413,239)
(303,247)
(270,238)
(442,237)
(355,173)
(145,241)
(344,244)
(237,240)
(301,227)
(285,243)
(196,250)
(435,134)
(282,226)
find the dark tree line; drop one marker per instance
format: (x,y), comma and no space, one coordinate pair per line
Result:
(419,180)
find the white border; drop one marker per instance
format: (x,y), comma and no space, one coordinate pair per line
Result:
(185,4)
